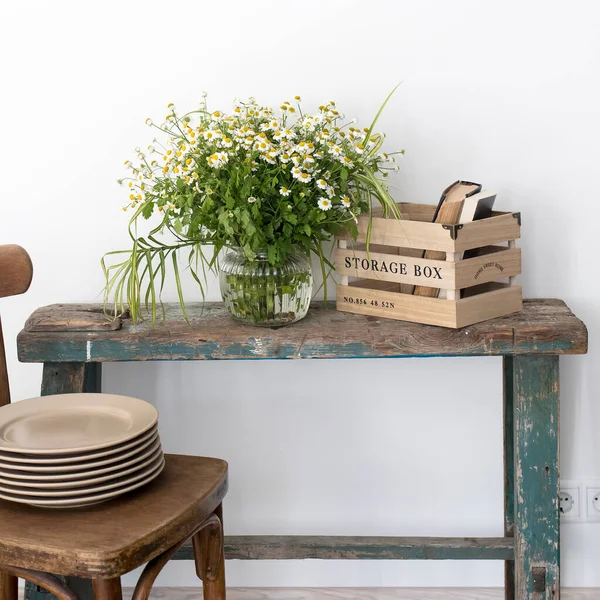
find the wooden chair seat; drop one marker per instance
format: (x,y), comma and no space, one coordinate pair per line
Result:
(102,542)
(114,537)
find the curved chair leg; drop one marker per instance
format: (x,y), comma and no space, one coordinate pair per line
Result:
(209,554)
(8,586)
(45,580)
(155,566)
(107,589)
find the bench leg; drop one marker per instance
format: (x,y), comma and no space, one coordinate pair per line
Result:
(509,471)
(66,378)
(107,589)
(536,447)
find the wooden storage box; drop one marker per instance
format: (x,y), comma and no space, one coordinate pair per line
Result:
(476,280)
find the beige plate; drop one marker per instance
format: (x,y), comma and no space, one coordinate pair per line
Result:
(44,484)
(58,459)
(73,423)
(86,491)
(64,472)
(83,500)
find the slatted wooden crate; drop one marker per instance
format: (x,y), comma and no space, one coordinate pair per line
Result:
(476,280)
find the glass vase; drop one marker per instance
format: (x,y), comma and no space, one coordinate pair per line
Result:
(257,293)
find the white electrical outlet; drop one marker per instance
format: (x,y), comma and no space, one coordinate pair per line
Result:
(592,495)
(570,501)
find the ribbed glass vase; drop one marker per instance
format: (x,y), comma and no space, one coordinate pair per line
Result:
(256,293)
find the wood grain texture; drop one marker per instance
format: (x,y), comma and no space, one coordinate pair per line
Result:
(16,270)
(356,257)
(4,385)
(417,233)
(501,263)
(49,583)
(543,327)
(107,589)
(509,468)
(209,556)
(448,214)
(362,593)
(536,444)
(8,586)
(286,547)
(86,318)
(204,548)
(115,537)
(494,303)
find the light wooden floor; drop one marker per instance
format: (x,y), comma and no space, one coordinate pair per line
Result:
(356,594)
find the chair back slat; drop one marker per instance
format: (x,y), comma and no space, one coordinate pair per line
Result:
(4,387)
(16,270)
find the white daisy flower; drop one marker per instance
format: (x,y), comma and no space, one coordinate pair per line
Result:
(345,201)
(296,172)
(149,122)
(285,191)
(324,203)
(347,161)
(128,164)
(321,184)
(285,158)
(304,177)
(359,148)
(227,142)
(211,135)
(335,150)
(251,199)
(262,146)
(330,191)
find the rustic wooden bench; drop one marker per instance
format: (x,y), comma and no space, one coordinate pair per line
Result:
(74,340)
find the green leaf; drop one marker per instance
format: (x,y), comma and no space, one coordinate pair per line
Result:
(179,289)
(147,210)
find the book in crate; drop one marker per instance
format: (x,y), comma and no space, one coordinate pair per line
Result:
(476,278)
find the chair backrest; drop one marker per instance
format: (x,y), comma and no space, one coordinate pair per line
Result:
(16,272)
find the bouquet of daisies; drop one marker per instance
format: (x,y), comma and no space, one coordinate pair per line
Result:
(257,179)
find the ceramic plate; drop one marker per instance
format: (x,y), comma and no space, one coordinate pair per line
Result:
(79,471)
(45,484)
(73,423)
(58,459)
(89,490)
(83,500)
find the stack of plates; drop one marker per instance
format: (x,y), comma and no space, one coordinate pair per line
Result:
(77,449)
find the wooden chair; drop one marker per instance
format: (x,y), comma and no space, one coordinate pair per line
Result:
(104,541)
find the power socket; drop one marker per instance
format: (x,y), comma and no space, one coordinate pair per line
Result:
(570,501)
(592,495)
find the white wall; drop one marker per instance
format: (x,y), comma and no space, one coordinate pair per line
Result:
(505,93)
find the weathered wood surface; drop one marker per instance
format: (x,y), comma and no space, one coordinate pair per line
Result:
(16,270)
(107,589)
(509,468)
(69,317)
(4,385)
(537,515)
(543,327)
(286,547)
(109,539)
